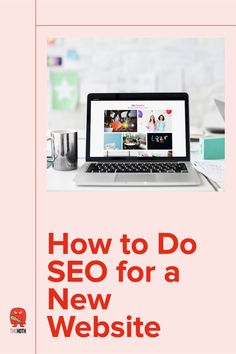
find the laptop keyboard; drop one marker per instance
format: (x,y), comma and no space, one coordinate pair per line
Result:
(137,167)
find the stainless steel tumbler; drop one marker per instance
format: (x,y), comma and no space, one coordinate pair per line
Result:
(64,150)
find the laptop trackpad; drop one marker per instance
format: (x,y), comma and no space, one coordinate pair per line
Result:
(133,177)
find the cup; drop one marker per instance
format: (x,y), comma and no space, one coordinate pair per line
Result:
(64,150)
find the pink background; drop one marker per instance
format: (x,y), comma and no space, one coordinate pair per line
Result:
(17,256)
(198,314)
(135,12)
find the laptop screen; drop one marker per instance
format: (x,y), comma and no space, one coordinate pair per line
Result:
(136,128)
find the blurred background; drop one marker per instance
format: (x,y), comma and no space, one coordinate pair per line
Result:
(78,66)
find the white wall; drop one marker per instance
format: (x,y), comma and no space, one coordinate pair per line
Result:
(144,65)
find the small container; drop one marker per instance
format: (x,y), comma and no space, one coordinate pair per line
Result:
(64,150)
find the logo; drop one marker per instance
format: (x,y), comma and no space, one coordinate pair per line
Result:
(18,320)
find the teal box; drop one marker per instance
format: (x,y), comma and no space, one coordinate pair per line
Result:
(212,148)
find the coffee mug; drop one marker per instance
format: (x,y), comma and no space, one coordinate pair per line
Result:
(64,149)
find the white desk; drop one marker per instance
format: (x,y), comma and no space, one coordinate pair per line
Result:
(63,180)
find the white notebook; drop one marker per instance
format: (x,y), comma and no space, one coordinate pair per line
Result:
(213,169)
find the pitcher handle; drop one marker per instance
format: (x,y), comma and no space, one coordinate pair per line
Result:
(52,157)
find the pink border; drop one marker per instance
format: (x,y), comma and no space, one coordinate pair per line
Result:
(76,25)
(35,180)
(137,25)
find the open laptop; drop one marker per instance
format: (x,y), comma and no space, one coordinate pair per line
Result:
(221,107)
(137,139)
(218,129)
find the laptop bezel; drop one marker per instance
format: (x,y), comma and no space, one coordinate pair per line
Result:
(178,96)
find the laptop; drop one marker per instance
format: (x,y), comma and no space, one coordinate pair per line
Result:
(137,139)
(221,107)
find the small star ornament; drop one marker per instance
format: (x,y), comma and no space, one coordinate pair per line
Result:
(64,90)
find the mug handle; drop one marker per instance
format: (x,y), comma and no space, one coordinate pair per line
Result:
(52,157)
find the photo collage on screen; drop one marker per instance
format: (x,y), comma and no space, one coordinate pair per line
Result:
(138,132)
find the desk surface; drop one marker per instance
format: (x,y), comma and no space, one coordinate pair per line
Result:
(63,180)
